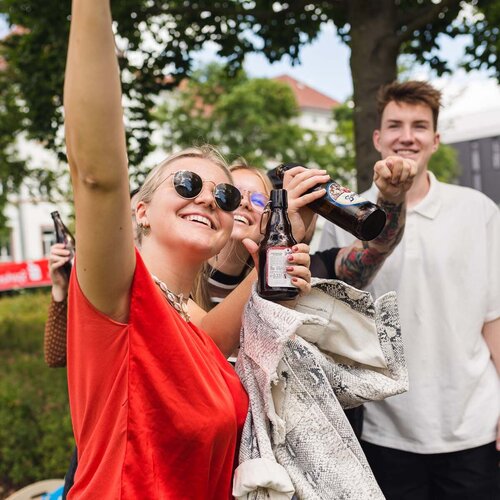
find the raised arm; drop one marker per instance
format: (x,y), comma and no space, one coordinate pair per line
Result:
(96,150)
(358,263)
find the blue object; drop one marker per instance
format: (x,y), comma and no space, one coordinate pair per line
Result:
(55,495)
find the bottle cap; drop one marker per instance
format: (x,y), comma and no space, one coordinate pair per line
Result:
(281,169)
(276,177)
(279,198)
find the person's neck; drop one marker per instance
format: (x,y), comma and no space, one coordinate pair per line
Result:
(232,259)
(419,189)
(173,269)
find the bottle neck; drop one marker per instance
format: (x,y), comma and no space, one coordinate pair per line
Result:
(278,228)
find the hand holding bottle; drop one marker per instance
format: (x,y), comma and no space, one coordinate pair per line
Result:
(59,256)
(394,176)
(64,236)
(276,261)
(299,261)
(298,181)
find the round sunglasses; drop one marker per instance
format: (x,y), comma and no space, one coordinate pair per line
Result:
(189,185)
(257,199)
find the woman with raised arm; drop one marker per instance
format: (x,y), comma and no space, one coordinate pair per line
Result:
(156,408)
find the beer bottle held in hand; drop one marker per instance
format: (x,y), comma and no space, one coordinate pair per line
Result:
(63,235)
(274,282)
(346,209)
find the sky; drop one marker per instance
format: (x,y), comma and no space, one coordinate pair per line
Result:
(324,65)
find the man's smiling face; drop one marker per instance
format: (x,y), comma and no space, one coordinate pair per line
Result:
(407,130)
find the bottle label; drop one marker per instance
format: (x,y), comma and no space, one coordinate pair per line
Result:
(276,264)
(341,196)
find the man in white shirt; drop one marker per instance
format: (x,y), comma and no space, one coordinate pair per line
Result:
(437,441)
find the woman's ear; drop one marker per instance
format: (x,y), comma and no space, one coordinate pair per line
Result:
(140,212)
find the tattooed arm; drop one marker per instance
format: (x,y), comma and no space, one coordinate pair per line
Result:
(358,263)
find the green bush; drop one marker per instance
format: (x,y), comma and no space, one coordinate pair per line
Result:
(35,427)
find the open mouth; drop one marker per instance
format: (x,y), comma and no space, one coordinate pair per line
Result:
(242,219)
(199,219)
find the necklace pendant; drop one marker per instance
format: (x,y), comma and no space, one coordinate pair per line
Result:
(178,302)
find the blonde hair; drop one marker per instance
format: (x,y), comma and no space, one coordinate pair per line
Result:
(200,292)
(241,164)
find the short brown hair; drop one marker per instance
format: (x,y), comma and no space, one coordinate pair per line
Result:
(410,92)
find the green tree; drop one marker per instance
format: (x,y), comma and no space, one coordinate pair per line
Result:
(253,118)
(444,163)
(158,38)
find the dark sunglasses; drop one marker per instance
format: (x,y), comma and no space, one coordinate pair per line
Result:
(257,199)
(189,185)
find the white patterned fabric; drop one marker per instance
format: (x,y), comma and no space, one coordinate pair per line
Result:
(298,387)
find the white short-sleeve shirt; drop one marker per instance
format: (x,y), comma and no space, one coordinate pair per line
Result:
(446,272)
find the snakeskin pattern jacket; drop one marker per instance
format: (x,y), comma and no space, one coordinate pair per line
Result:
(338,348)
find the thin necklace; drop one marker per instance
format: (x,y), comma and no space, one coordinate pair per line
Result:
(177,301)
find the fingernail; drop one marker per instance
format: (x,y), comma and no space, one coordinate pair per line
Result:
(289,268)
(290,258)
(295,248)
(294,280)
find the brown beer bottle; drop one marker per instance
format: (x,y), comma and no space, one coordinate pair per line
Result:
(63,235)
(346,209)
(274,282)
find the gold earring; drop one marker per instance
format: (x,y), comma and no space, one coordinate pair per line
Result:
(145,228)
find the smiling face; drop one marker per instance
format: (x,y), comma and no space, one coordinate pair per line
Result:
(247,216)
(407,130)
(195,227)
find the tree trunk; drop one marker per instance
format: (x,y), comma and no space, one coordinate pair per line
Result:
(374,52)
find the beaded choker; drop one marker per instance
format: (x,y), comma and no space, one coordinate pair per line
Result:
(177,301)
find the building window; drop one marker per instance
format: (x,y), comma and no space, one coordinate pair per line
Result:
(475,157)
(6,245)
(48,239)
(476,181)
(495,153)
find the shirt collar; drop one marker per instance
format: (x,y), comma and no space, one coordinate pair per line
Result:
(429,206)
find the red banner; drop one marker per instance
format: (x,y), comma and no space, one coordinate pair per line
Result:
(29,274)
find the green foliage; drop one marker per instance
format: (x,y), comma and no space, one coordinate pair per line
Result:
(35,426)
(344,131)
(252,118)
(377,32)
(444,163)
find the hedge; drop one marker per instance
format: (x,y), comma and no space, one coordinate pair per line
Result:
(36,439)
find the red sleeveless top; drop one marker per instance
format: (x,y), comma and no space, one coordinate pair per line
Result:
(157,410)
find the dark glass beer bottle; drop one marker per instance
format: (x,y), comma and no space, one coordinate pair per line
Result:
(63,235)
(346,209)
(274,282)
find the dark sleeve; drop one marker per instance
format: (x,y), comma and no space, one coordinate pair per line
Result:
(323,263)
(54,344)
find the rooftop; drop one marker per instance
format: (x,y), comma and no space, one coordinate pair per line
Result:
(306,96)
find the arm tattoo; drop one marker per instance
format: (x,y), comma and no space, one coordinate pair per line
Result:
(359,262)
